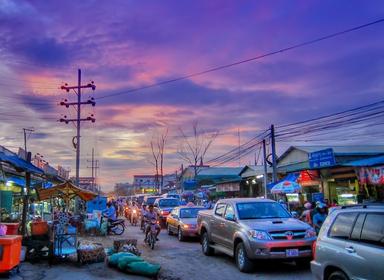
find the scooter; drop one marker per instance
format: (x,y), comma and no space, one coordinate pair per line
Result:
(151,238)
(116,227)
(134,216)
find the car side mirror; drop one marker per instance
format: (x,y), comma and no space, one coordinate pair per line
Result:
(230,217)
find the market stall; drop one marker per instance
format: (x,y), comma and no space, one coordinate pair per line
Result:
(63,226)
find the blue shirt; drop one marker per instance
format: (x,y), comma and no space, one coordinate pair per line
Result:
(111,213)
(319,218)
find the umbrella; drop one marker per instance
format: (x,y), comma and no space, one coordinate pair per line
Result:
(285,187)
(65,191)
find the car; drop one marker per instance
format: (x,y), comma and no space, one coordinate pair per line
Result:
(252,229)
(172,195)
(150,200)
(350,244)
(183,221)
(164,206)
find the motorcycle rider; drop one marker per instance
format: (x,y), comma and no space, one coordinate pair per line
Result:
(143,212)
(134,212)
(110,212)
(150,216)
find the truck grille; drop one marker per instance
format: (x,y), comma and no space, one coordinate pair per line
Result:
(287,234)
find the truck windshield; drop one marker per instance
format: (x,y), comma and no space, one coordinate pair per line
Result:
(189,212)
(168,202)
(261,210)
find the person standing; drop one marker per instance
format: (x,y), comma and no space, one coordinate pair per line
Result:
(319,217)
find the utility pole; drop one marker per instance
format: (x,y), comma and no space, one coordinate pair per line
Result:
(94,166)
(78,120)
(265,169)
(27,185)
(274,162)
(25,130)
(238,134)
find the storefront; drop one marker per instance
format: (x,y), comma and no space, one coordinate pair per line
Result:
(229,189)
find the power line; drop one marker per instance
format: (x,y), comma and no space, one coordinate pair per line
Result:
(332,115)
(306,43)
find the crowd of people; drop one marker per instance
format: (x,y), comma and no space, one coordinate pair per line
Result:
(315,213)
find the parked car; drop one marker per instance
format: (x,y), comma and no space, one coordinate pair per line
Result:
(253,229)
(183,221)
(164,206)
(172,195)
(350,244)
(150,200)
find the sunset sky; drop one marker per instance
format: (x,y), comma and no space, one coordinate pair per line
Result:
(122,45)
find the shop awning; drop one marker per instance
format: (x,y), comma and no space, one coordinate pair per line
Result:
(65,191)
(18,163)
(292,177)
(366,162)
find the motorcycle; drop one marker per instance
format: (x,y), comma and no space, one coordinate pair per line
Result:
(127,213)
(151,238)
(116,227)
(134,216)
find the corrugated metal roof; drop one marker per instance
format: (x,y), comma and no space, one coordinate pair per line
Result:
(17,162)
(366,162)
(220,171)
(345,150)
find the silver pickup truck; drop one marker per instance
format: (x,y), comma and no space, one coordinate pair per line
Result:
(250,229)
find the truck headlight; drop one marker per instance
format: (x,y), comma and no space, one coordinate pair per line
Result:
(309,233)
(259,235)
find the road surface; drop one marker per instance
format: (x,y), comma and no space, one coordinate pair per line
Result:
(179,261)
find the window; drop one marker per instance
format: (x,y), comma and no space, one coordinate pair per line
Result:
(220,209)
(230,211)
(342,226)
(261,210)
(357,228)
(373,229)
(189,212)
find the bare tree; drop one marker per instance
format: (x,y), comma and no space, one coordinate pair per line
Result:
(155,161)
(194,148)
(157,149)
(162,140)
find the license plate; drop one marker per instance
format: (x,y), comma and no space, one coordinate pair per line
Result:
(292,252)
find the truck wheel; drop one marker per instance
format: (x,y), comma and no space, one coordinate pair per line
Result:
(244,264)
(338,275)
(207,249)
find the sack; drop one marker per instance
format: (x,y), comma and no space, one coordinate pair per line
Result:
(3,230)
(143,268)
(113,260)
(124,261)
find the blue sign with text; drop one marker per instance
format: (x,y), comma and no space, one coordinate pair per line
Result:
(321,159)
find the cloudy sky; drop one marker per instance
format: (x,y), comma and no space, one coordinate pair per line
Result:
(122,45)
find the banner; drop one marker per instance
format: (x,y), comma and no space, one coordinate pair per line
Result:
(371,175)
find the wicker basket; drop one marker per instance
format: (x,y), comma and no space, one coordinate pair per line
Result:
(91,255)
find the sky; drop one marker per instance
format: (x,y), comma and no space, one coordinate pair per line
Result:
(123,45)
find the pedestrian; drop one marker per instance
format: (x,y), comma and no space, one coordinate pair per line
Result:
(319,217)
(306,215)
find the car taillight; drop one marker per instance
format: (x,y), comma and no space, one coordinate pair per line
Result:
(314,250)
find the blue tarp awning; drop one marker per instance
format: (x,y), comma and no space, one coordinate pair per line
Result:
(17,162)
(290,177)
(366,162)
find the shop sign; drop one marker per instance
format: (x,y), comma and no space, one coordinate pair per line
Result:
(317,197)
(372,175)
(322,158)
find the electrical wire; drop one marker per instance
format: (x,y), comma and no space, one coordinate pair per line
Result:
(217,68)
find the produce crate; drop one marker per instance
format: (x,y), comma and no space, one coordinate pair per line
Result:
(90,253)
